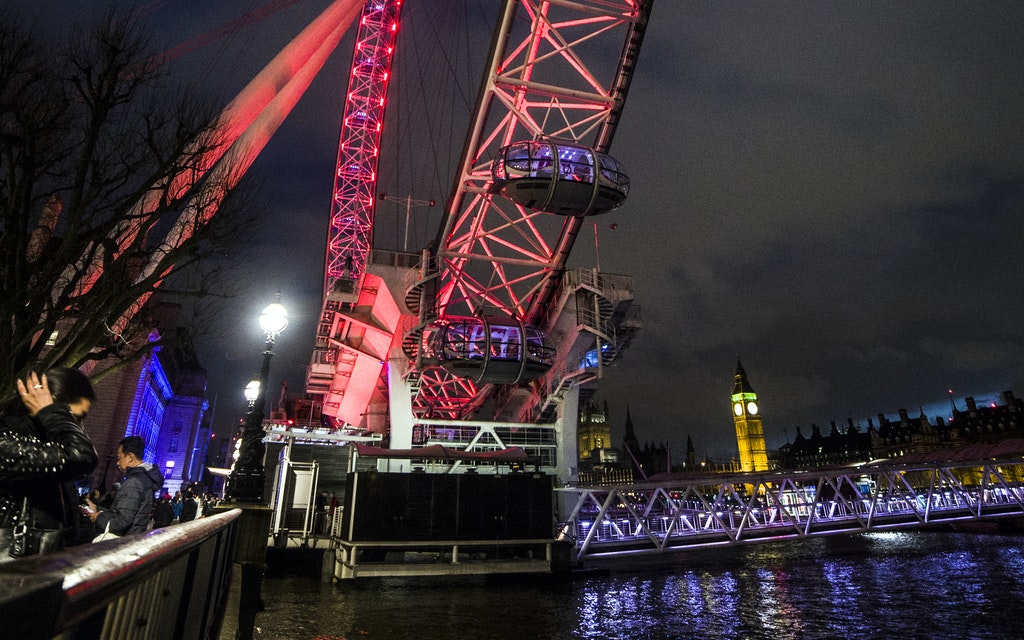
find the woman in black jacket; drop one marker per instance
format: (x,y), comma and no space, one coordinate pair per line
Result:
(42,449)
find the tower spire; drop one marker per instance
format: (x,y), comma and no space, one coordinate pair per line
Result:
(629,440)
(742,384)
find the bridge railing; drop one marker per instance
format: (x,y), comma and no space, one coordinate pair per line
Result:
(169,583)
(699,510)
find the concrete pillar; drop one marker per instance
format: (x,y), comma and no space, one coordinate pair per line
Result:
(567,462)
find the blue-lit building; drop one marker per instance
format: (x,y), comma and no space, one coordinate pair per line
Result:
(161,397)
(178,440)
(152,393)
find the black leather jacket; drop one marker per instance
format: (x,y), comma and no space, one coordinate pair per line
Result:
(39,456)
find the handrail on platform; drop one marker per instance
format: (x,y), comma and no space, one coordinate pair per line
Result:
(168,583)
(674,512)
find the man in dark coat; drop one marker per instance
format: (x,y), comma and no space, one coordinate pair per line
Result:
(133,505)
(189,508)
(163,512)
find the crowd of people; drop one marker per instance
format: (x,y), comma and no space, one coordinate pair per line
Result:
(44,450)
(182,507)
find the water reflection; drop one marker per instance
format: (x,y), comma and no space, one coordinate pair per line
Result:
(909,585)
(776,613)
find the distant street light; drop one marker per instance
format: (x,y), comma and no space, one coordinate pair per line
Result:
(252,392)
(245,484)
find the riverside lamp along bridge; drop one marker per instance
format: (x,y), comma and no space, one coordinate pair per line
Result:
(678,512)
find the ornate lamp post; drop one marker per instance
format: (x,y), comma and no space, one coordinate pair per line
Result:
(252,392)
(247,478)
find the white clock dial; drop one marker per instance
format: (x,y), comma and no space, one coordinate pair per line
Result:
(751,407)
(738,408)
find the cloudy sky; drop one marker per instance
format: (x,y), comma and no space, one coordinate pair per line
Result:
(829,191)
(835,192)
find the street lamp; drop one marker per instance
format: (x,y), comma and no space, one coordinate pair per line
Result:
(247,478)
(252,391)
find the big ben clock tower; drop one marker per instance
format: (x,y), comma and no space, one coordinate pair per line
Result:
(746,414)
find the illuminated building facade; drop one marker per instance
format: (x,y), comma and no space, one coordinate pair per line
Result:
(161,397)
(594,433)
(986,423)
(599,462)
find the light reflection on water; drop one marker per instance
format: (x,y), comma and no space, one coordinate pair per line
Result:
(880,585)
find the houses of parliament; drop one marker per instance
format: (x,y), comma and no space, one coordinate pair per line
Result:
(600,462)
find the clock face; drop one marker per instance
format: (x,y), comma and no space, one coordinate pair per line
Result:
(751,407)
(738,408)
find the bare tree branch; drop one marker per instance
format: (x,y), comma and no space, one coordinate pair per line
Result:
(99,156)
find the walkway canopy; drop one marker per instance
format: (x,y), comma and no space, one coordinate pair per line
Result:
(440,452)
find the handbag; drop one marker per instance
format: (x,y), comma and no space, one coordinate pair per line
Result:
(6,539)
(106,535)
(22,540)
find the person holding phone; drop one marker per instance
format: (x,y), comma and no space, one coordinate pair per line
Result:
(133,505)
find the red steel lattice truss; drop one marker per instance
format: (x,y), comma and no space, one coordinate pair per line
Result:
(558,70)
(355,180)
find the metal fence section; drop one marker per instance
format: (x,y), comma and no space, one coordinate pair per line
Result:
(169,583)
(686,511)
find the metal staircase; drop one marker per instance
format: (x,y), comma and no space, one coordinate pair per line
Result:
(604,321)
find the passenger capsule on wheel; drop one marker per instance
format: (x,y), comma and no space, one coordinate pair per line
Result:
(489,350)
(559,177)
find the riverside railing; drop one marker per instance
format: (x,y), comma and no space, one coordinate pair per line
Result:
(677,512)
(169,583)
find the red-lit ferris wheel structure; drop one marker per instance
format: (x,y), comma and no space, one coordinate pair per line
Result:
(480,335)
(466,323)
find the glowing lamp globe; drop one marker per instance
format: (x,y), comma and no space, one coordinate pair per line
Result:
(274,318)
(252,391)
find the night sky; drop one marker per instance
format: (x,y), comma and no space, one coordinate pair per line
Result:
(829,191)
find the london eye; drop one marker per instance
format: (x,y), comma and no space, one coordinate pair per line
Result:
(464,329)
(484,331)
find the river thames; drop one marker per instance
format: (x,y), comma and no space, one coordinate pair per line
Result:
(906,585)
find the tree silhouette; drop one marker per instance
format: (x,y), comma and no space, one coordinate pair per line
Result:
(104,197)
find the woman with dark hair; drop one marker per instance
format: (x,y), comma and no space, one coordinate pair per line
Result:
(42,449)
(71,387)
